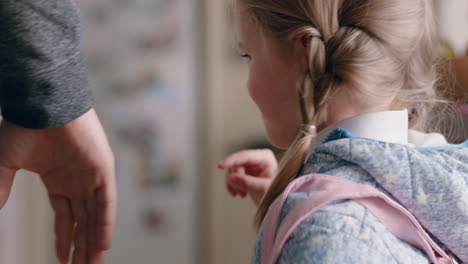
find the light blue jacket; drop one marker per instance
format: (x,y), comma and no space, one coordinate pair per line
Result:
(432,183)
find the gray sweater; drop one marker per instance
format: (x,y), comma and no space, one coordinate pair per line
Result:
(43,80)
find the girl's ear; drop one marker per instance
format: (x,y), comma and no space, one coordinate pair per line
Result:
(305,41)
(301,48)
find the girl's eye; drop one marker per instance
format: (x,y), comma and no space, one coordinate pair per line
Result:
(246,56)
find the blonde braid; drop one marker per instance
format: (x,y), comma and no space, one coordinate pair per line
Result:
(312,90)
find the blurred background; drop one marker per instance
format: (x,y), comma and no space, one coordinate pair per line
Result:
(170,90)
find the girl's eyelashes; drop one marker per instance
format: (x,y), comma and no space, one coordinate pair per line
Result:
(246,56)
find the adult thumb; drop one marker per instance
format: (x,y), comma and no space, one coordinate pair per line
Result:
(6,181)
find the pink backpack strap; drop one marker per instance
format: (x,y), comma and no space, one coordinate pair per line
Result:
(330,189)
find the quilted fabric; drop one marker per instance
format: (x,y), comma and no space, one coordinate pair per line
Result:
(432,183)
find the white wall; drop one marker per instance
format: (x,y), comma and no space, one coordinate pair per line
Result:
(26,224)
(453,22)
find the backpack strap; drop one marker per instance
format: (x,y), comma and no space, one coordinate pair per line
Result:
(330,189)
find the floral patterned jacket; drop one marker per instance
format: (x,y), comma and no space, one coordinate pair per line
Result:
(432,183)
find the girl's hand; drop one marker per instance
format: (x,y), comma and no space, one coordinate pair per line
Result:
(249,172)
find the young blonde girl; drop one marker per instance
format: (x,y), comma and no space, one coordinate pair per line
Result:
(339,84)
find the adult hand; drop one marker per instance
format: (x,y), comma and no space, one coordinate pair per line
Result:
(76,165)
(249,172)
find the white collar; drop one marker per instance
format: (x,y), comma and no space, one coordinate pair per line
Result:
(388,126)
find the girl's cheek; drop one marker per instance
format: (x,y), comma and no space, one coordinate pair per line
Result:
(256,90)
(252,85)
(261,88)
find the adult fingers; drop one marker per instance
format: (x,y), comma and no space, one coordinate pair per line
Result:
(95,254)
(259,156)
(80,253)
(64,225)
(6,181)
(106,199)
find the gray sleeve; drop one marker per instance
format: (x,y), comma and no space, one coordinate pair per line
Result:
(43,80)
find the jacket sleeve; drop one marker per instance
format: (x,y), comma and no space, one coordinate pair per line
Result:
(43,80)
